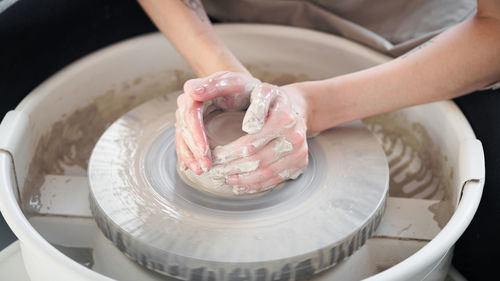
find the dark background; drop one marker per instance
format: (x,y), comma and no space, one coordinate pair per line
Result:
(38,38)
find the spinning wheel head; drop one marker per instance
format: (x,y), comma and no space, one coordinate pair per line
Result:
(301,228)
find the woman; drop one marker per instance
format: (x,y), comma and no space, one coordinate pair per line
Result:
(460,60)
(471,62)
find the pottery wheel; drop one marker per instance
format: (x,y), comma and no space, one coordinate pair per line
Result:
(301,228)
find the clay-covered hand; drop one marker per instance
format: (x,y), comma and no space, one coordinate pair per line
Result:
(276,121)
(226,90)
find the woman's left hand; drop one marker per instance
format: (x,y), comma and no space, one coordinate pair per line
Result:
(276,121)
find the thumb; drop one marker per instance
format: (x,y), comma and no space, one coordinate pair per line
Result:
(261,99)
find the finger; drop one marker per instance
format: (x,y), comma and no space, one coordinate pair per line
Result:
(227,90)
(270,183)
(242,147)
(219,84)
(193,132)
(253,188)
(178,152)
(195,136)
(277,125)
(260,101)
(272,152)
(283,167)
(184,155)
(244,167)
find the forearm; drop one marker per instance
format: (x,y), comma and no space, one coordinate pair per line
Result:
(186,25)
(459,61)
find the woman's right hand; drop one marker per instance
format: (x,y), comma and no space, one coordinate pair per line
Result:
(229,91)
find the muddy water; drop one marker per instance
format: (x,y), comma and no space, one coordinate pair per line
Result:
(417,168)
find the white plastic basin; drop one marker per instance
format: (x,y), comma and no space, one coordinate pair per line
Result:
(148,65)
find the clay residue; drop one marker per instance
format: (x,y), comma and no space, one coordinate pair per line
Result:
(418,169)
(442,212)
(66,147)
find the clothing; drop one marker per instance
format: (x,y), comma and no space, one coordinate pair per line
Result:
(389,26)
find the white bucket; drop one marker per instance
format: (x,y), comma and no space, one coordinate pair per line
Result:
(142,64)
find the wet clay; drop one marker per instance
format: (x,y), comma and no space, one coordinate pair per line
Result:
(221,128)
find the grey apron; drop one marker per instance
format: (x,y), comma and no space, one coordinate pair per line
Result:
(392,27)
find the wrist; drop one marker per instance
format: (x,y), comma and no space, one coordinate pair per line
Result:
(304,103)
(327,105)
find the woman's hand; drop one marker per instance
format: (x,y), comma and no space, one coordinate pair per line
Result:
(226,90)
(276,121)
